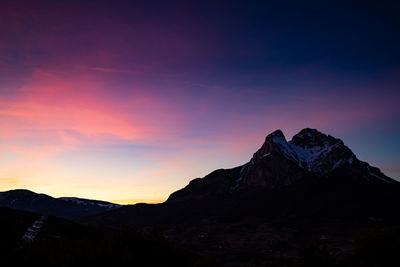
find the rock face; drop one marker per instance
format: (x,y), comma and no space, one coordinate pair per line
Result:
(310,150)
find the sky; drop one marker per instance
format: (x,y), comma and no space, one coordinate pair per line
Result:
(127,101)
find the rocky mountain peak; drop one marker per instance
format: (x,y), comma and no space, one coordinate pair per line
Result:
(280,162)
(310,149)
(277,133)
(308,138)
(272,144)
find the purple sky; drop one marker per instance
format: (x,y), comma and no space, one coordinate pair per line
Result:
(127,102)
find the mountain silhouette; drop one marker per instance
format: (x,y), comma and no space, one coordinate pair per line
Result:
(314,173)
(64,207)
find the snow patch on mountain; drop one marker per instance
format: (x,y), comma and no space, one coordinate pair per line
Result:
(31,232)
(311,158)
(243,171)
(86,202)
(372,173)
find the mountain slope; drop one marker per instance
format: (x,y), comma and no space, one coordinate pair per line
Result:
(61,207)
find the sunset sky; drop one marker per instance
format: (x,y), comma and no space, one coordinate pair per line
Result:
(128,101)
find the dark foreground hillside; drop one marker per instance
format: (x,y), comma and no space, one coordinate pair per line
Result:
(250,243)
(64,243)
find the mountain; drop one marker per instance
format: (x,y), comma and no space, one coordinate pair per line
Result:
(65,207)
(311,187)
(278,163)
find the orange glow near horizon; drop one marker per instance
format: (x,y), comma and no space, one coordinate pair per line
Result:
(135,201)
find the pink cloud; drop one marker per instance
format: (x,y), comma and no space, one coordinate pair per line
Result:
(73,111)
